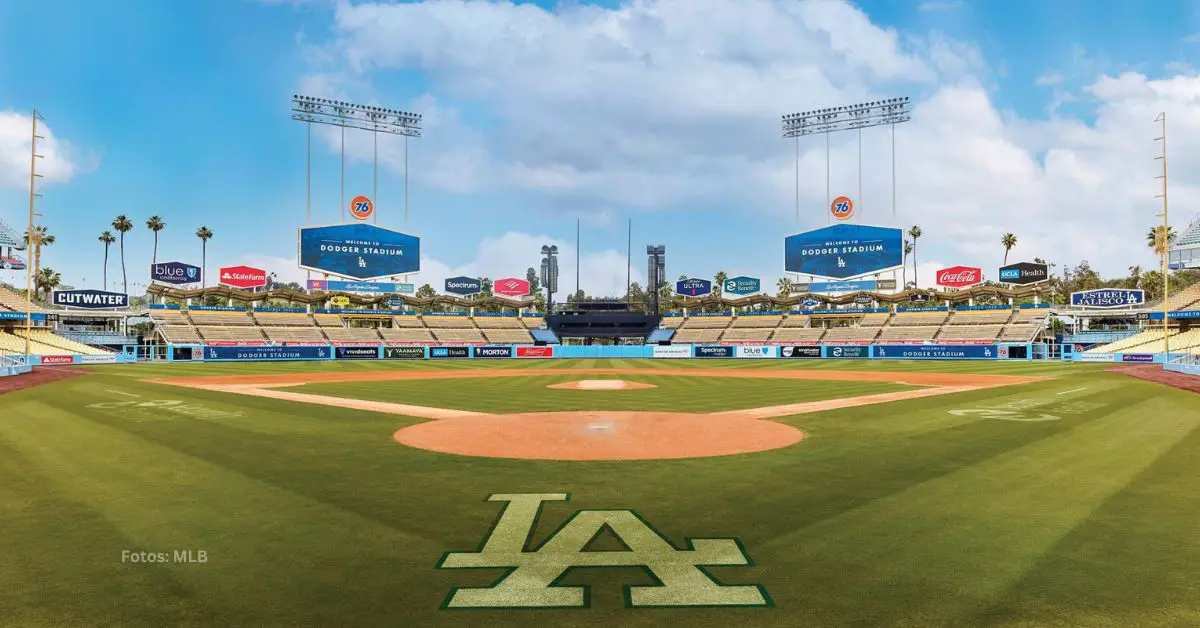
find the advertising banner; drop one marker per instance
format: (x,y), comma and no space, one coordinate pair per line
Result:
(111,358)
(267,353)
(741,286)
(863,299)
(842,208)
(176,273)
(510,287)
(464,286)
(1108,298)
(1024,273)
(449,352)
(937,352)
(242,277)
(1096,357)
(693,287)
(361,207)
(843,251)
(57,359)
(1137,357)
(843,286)
(810,302)
(90,299)
(800,352)
(960,276)
(754,351)
(404,353)
(671,351)
(493,352)
(379,287)
(847,351)
(919,297)
(359,251)
(705,351)
(535,352)
(357,353)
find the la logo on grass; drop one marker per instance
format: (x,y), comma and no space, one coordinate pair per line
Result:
(531,576)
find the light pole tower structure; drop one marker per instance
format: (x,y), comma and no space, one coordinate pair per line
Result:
(1166,243)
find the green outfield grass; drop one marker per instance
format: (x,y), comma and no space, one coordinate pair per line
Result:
(900,514)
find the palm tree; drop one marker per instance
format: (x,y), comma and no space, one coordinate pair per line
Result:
(908,249)
(915,234)
(785,286)
(107,238)
(1155,240)
(123,225)
(1008,240)
(155,224)
(719,282)
(204,233)
(47,280)
(41,237)
(1135,275)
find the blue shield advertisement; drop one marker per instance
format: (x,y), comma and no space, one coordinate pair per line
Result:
(843,251)
(464,286)
(359,251)
(937,352)
(176,273)
(693,287)
(741,286)
(1108,297)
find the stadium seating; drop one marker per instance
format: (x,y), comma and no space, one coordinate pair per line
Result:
(508,336)
(328,320)
(835,335)
(671,322)
(910,332)
(1019,332)
(219,318)
(10,343)
(283,319)
(796,320)
(686,335)
(981,317)
(906,319)
(180,334)
(498,322)
(296,333)
(742,322)
(969,332)
(449,322)
(352,334)
(10,300)
(1149,336)
(169,317)
(460,335)
(50,339)
(407,322)
(1186,299)
(1030,315)
(747,334)
(533,322)
(798,334)
(405,335)
(707,322)
(874,319)
(232,333)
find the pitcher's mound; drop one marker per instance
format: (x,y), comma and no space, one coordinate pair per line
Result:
(601,384)
(599,435)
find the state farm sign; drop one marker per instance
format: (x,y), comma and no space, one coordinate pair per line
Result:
(960,276)
(243,277)
(511,287)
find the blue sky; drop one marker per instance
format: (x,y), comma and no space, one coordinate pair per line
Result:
(181,109)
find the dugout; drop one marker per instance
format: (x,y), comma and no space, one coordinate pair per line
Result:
(601,320)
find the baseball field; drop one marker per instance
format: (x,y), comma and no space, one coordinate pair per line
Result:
(600,493)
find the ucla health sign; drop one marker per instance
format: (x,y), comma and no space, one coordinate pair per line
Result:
(359,251)
(740,286)
(378,287)
(90,299)
(176,273)
(1106,298)
(843,251)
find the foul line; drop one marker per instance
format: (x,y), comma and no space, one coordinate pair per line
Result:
(1070,391)
(117,392)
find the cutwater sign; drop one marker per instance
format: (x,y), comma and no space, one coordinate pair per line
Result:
(693,287)
(175,273)
(359,251)
(90,299)
(739,286)
(1108,297)
(843,251)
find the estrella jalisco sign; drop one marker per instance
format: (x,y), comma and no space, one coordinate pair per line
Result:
(1108,297)
(844,251)
(359,251)
(90,299)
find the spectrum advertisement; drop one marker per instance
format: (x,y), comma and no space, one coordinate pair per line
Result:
(716,351)
(843,251)
(359,251)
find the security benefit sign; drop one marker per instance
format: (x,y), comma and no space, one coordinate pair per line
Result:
(90,299)
(1107,298)
(533,575)
(742,286)
(359,251)
(844,251)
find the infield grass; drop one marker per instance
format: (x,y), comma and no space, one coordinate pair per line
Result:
(910,513)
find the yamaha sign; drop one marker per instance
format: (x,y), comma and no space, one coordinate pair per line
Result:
(1108,298)
(90,299)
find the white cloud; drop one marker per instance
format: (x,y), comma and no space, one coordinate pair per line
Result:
(1194,38)
(674,104)
(940,5)
(58,165)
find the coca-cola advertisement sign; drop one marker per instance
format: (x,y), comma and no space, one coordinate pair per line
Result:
(960,276)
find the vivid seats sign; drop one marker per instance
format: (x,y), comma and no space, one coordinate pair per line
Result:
(90,299)
(535,352)
(960,276)
(510,287)
(176,273)
(843,251)
(359,251)
(357,353)
(243,277)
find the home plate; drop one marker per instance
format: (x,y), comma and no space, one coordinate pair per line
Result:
(601,384)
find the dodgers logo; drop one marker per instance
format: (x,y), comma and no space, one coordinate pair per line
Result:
(531,579)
